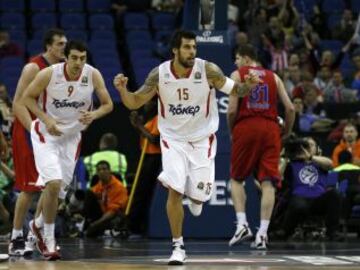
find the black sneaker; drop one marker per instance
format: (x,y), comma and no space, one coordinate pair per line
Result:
(17,247)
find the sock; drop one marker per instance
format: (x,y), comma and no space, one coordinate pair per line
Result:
(39,221)
(16,233)
(264,225)
(241,218)
(49,230)
(178,241)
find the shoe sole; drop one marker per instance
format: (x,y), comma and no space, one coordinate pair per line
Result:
(243,239)
(175,263)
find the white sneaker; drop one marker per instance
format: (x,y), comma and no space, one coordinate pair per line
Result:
(242,233)
(30,243)
(261,242)
(195,209)
(178,255)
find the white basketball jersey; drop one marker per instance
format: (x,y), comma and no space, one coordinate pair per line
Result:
(63,99)
(187,106)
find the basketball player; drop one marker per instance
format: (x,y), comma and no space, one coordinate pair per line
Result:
(188,120)
(256,142)
(65,93)
(25,171)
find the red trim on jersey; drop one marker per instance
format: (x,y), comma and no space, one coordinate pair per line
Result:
(211,140)
(44,100)
(172,69)
(165,144)
(37,130)
(78,149)
(208,105)
(67,75)
(162,108)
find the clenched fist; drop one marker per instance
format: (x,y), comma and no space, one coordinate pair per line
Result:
(120,81)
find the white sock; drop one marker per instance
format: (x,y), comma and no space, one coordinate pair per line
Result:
(264,225)
(178,241)
(241,218)
(39,221)
(49,230)
(16,233)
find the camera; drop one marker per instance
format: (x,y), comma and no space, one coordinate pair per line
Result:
(294,147)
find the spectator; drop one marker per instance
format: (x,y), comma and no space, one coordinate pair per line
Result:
(108,152)
(289,17)
(8,47)
(106,200)
(323,78)
(346,27)
(349,143)
(356,81)
(311,96)
(6,113)
(293,78)
(257,24)
(294,60)
(305,177)
(336,92)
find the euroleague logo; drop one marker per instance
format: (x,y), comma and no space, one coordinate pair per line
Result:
(309,175)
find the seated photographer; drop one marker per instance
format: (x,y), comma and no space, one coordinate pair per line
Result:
(105,201)
(305,176)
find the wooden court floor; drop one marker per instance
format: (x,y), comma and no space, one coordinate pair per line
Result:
(111,254)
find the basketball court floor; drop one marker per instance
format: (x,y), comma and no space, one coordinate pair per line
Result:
(109,254)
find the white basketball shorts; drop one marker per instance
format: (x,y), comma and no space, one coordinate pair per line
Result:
(189,167)
(55,156)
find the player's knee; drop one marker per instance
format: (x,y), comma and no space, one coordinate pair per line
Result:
(54,187)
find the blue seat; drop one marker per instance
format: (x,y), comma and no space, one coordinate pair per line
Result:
(102,44)
(43,20)
(12,5)
(136,45)
(101,21)
(331,6)
(103,34)
(141,74)
(94,6)
(138,36)
(136,21)
(18,36)
(11,21)
(163,36)
(332,45)
(77,34)
(11,83)
(104,53)
(71,6)
(333,20)
(42,6)
(73,21)
(355,6)
(139,54)
(12,61)
(146,62)
(34,46)
(163,21)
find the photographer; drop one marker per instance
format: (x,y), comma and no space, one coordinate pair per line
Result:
(306,176)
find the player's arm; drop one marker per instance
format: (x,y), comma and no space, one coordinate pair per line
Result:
(233,104)
(134,100)
(106,105)
(33,91)
(218,80)
(27,75)
(289,107)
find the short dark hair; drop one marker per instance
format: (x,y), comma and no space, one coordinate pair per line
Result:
(178,35)
(109,140)
(74,45)
(247,50)
(48,38)
(103,162)
(345,157)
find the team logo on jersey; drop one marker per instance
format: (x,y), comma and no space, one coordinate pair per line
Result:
(201,185)
(84,80)
(180,110)
(65,103)
(208,188)
(197,75)
(309,175)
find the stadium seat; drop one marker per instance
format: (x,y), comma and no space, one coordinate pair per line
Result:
(332,6)
(332,45)
(355,6)
(150,62)
(333,20)
(96,6)
(12,5)
(77,34)
(163,36)
(43,21)
(71,6)
(73,21)
(136,21)
(163,21)
(103,34)
(101,45)
(18,36)
(34,46)
(12,61)
(101,21)
(136,45)
(137,36)
(42,6)
(11,21)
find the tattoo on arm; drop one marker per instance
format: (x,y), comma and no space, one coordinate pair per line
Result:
(241,89)
(214,75)
(152,80)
